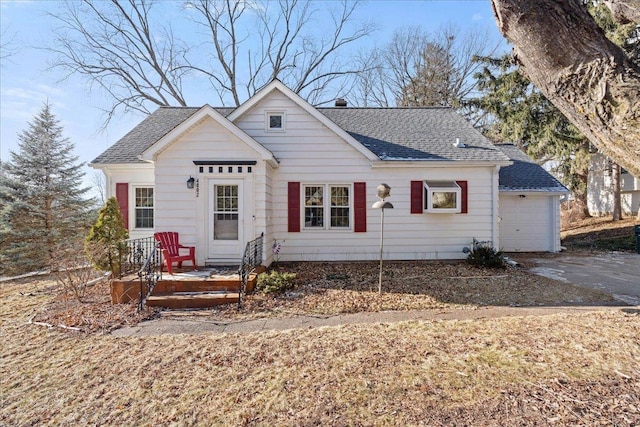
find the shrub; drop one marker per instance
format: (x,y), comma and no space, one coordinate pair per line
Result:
(106,234)
(275,282)
(484,255)
(72,270)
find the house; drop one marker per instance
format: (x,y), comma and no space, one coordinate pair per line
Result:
(600,188)
(306,177)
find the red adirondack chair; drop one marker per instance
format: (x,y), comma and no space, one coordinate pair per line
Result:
(170,246)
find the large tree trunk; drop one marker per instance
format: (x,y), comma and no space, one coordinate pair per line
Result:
(591,80)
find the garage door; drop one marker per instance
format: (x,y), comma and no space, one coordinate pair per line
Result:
(526,223)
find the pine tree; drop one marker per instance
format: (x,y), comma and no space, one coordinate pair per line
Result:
(42,203)
(521,114)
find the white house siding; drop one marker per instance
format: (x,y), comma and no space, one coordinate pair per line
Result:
(186,211)
(530,223)
(267,216)
(600,191)
(310,153)
(137,175)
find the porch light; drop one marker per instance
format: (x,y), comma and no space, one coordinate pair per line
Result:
(191,182)
(383,191)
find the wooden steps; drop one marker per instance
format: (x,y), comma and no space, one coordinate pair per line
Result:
(195,300)
(199,293)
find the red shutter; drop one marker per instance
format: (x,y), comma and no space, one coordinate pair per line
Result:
(360,207)
(463,195)
(417,192)
(294,207)
(122,195)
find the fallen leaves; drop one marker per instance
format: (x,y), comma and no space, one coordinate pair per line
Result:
(566,369)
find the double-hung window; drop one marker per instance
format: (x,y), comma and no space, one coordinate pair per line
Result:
(327,206)
(144,207)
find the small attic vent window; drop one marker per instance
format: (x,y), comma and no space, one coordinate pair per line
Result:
(275,122)
(442,196)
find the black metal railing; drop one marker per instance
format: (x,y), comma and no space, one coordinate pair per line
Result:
(132,254)
(251,258)
(149,274)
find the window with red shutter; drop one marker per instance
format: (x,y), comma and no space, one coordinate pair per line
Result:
(463,196)
(122,195)
(417,191)
(360,207)
(293,198)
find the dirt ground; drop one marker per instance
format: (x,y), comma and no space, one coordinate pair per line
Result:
(336,288)
(600,234)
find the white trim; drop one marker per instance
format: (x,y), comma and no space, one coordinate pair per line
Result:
(152,152)
(267,121)
(326,207)
(277,85)
(224,250)
(431,186)
(437,163)
(133,207)
(123,166)
(540,192)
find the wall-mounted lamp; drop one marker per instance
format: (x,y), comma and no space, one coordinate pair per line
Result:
(191,182)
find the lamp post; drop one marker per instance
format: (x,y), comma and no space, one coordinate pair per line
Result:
(383,191)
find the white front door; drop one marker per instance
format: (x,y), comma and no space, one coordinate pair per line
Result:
(226,219)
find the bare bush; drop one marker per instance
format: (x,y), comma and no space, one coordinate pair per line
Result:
(73,270)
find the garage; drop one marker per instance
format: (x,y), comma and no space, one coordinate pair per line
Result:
(529,205)
(527,223)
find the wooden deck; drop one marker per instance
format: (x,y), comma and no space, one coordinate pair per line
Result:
(185,289)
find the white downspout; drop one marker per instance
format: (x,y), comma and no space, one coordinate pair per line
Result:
(495,208)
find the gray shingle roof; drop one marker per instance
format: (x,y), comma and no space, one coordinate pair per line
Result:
(390,133)
(525,174)
(414,133)
(150,130)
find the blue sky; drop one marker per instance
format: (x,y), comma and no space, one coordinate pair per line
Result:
(26,83)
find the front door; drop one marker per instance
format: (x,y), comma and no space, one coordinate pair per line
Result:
(226,220)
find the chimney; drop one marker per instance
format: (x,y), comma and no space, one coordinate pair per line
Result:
(341,102)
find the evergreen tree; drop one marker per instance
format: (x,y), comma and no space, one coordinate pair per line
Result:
(42,203)
(521,114)
(106,233)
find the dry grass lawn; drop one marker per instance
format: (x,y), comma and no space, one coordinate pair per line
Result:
(578,369)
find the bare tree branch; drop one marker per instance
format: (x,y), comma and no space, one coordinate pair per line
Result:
(116,47)
(419,69)
(7,45)
(124,49)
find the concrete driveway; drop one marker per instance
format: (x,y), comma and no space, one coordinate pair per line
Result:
(617,274)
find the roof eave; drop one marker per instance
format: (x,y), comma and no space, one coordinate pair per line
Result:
(535,191)
(416,163)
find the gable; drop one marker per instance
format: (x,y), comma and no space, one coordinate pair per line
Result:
(259,104)
(195,120)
